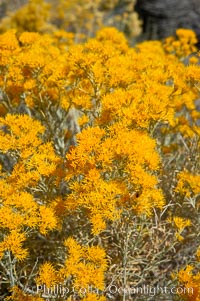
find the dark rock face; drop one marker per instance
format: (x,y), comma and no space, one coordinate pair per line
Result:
(162,17)
(2,10)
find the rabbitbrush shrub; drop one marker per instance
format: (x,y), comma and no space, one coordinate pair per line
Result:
(99,152)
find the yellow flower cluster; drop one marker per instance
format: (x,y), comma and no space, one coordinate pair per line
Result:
(86,264)
(180,224)
(89,167)
(20,138)
(13,242)
(190,283)
(32,17)
(188,183)
(19,295)
(83,18)
(47,275)
(183,44)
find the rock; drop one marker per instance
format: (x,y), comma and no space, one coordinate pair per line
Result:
(162,18)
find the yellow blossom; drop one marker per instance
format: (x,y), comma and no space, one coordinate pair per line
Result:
(13,243)
(47,275)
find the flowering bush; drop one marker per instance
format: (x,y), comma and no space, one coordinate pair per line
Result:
(99,155)
(83,18)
